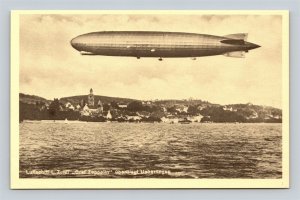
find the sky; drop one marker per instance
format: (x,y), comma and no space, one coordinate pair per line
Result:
(51,68)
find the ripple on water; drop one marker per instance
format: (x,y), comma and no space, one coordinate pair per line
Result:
(187,151)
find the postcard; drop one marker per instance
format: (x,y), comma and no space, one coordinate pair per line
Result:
(149,99)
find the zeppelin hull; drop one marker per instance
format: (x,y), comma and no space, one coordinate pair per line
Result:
(157,44)
(157,51)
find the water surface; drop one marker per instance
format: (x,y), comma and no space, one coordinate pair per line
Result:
(141,150)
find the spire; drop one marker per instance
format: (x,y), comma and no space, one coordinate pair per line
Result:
(91,98)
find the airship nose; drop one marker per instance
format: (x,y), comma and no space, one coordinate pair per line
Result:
(252,46)
(76,42)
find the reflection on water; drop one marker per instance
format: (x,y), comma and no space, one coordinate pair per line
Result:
(183,150)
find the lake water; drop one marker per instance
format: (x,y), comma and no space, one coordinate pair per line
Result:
(141,150)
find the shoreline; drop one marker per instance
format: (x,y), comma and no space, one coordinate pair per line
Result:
(154,122)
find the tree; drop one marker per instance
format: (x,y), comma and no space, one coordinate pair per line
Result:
(205,119)
(106,107)
(193,110)
(172,109)
(114,105)
(157,114)
(135,106)
(54,108)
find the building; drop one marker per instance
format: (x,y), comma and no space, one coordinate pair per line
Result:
(185,109)
(170,119)
(122,105)
(196,118)
(85,111)
(91,100)
(134,118)
(229,108)
(69,106)
(164,109)
(90,108)
(108,116)
(253,115)
(78,107)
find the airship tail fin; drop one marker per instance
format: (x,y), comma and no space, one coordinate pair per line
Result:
(238,36)
(235,54)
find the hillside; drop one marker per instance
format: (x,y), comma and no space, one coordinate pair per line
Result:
(31,104)
(32,99)
(104,99)
(171,102)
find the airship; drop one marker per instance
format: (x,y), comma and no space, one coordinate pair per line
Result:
(161,44)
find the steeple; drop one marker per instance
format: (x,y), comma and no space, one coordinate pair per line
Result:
(91,101)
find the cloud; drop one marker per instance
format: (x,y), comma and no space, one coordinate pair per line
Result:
(50,67)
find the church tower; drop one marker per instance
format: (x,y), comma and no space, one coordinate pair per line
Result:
(91,101)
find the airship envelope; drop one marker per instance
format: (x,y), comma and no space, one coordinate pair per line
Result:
(161,44)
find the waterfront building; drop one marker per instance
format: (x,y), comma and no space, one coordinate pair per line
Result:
(196,118)
(134,117)
(85,111)
(69,106)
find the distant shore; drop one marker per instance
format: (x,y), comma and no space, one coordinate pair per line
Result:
(138,122)
(94,108)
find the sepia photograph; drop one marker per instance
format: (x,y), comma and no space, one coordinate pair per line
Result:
(149,99)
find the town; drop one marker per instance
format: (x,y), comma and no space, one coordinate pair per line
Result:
(94,108)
